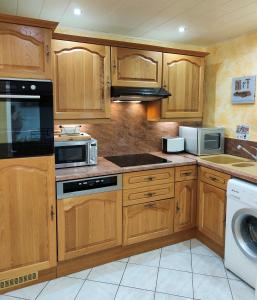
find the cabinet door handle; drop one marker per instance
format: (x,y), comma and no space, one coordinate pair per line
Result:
(177,208)
(48,52)
(52,212)
(150,205)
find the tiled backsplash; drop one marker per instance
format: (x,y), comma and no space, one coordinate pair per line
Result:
(129,131)
(231,147)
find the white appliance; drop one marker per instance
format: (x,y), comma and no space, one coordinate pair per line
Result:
(241,230)
(173,144)
(203,141)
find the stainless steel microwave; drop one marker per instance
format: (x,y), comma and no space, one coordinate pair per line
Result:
(203,141)
(75,153)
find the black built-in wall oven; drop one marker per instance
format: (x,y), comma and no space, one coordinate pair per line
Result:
(26,118)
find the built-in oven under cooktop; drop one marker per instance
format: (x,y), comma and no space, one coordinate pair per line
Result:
(131,160)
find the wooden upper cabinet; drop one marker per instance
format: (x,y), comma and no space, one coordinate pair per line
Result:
(136,68)
(183,77)
(185,202)
(88,224)
(27,214)
(25,51)
(211,211)
(82,80)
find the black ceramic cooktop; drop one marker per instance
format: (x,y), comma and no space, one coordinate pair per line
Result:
(131,160)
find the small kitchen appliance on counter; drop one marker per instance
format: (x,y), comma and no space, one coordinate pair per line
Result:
(173,144)
(203,141)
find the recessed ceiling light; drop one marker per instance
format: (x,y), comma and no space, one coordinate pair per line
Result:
(77,11)
(181,29)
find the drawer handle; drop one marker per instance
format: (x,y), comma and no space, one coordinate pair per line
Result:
(150,205)
(213,178)
(186,173)
(150,178)
(149,194)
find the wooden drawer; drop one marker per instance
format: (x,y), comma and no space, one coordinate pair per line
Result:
(147,221)
(185,173)
(215,178)
(146,194)
(148,178)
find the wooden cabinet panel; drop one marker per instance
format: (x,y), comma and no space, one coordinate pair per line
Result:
(183,77)
(136,68)
(185,173)
(213,177)
(185,202)
(147,221)
(212,208)
(88,224)
(82,80)
(27,214)
(148,178)
(25,51)
(146,194)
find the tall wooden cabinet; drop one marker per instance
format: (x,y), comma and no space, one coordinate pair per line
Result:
(25,51)
(136,68)
(82,80)
(89,223)
(28,216)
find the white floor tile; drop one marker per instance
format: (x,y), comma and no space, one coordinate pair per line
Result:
(143,277)
(125,260)
(241,291)
(151,258)
(81,275)
(211,288)
(175,282)
(30,292)
(208,265)
(109,273)
(176,261)
(199,248)
(232,275)
(160,296)
(64,288)
(126,293)
(179,247)
(97,291)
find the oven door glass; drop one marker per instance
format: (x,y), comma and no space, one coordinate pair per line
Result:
(26,126)
(212,141)
(71,155)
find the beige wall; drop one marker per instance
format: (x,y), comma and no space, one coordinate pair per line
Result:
(237,57)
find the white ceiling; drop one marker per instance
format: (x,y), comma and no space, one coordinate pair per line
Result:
(206,21)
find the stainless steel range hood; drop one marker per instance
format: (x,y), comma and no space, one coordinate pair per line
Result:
(132,94)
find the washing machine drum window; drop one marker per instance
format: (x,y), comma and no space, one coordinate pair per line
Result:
(244,228)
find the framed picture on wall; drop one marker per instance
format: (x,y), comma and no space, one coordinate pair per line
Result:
(243,90)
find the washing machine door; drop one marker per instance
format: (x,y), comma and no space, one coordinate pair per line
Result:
(244,228)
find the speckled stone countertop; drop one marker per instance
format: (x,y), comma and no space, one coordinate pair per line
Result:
(105,167)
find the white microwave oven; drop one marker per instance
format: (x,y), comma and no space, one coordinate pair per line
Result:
(203,141)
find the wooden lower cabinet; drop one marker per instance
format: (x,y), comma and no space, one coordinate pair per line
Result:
(27,216)
(185,205)
(212,212)
(88,224)
(147,221)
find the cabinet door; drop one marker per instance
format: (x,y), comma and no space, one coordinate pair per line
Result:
(25,51)
(183,77)
(89,224)
(82,80)
(27,214)
(185,210)
(147,221)
(212,207)
(136,68)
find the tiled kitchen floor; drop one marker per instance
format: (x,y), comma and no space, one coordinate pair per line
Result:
(183,271)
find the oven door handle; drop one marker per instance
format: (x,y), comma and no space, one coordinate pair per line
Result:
(20,96)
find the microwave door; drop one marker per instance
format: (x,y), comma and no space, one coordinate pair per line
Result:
(211,142)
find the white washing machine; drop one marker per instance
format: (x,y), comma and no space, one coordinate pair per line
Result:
(241,230)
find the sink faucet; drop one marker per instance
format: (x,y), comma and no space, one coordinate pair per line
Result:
(239,147)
